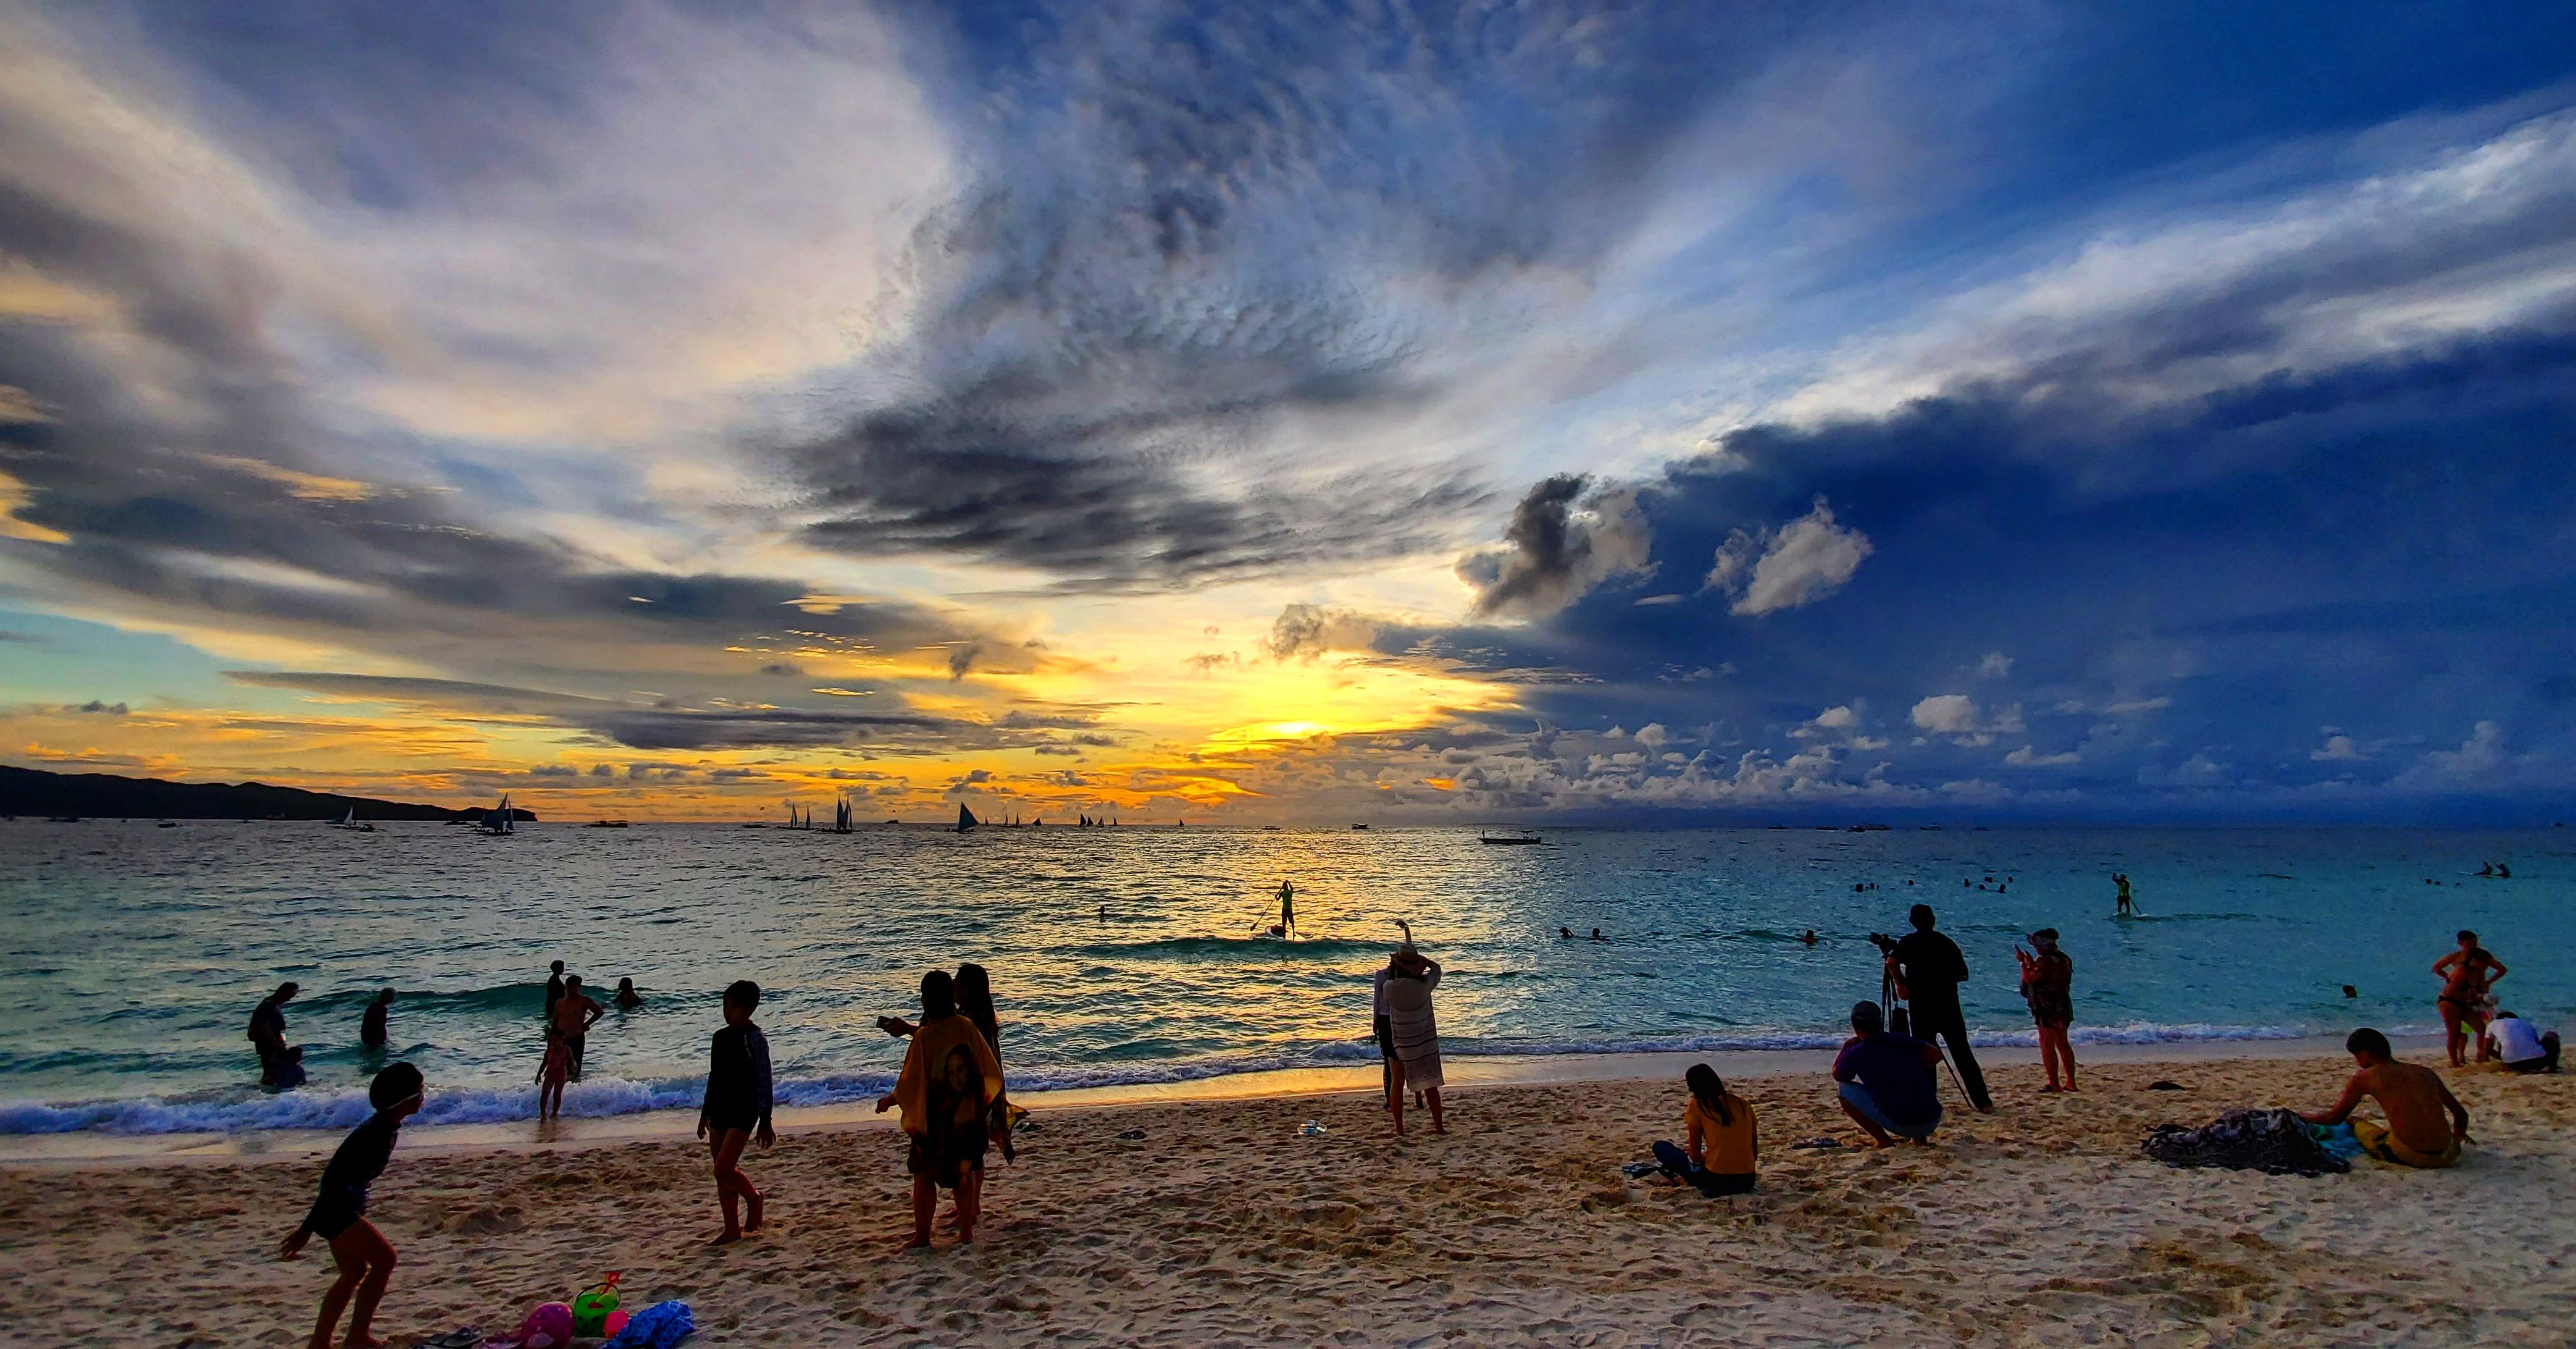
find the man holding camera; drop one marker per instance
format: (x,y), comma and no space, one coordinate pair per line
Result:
(1928,970)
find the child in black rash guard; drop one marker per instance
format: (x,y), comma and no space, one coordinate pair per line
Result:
(737,1107)
(339,1211)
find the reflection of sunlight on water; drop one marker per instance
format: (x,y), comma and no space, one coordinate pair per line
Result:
(1136,953)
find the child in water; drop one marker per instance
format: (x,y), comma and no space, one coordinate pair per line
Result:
(740,1095)
(339,1211)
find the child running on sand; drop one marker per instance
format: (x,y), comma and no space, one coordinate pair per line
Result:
(949,1077)
(2414,1100)
(740,1096)
(339,1211)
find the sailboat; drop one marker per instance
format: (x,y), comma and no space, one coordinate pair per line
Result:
(501,819)
(841,815)
(351,822)
(965,818)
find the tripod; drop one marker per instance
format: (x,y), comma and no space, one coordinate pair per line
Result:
(1900,1019)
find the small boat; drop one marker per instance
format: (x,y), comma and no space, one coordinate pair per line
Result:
(841,813)
(1360,827)
(1270,829)
(965,818)
(1518,836)
(62,819)
(167,824)
(605,824)
(502,820)
(353,824)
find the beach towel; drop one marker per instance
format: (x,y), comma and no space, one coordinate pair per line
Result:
(660,1326)
(1416,1032)
(2275,1142)
(2338,1139)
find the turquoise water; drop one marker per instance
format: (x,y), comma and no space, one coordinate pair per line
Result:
(135,954)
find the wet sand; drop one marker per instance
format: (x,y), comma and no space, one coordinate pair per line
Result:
(1213,1221)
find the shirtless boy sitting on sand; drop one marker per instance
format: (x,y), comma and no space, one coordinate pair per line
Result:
(2414,1100)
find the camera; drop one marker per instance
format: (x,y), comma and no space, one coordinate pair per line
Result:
(1886,944)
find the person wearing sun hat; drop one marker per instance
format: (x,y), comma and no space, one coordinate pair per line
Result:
(1410,978)
(2047,980)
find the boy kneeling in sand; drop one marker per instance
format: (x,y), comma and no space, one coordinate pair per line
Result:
(949,1077)
(339,1211)
(2412,1097)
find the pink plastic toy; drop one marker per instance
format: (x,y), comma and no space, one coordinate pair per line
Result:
(547,1327)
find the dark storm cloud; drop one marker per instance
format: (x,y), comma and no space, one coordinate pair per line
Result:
(1559,544)
(1195,227)
(2120,602)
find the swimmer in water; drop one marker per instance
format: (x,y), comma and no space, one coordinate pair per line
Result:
(1596,935)
(627,999)
(1287,908)
(1810,938)
(1565,934)
(371,1026)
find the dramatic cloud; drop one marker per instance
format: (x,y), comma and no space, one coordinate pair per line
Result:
(673,724)
(1799,563)
(723,396)
(1559,544)
(1307,631)
(1208,242)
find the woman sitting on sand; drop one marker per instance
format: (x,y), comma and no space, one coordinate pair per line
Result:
(1718,1140)
(2047,983)
(1410,979)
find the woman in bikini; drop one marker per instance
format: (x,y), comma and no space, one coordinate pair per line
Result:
(2466,975)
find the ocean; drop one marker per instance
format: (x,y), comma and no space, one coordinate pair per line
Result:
(134,954)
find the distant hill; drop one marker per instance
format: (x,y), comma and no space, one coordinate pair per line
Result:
(31,791)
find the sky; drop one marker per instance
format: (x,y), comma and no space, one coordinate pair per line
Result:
(1306,413)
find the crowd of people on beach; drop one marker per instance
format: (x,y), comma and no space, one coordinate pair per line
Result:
(955,1110)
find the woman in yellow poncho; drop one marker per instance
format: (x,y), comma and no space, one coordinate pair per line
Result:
(949,1077)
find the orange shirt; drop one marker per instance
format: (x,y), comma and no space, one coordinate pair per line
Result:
(1726,1149)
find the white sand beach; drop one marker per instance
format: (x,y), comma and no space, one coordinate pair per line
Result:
(1215,1222)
